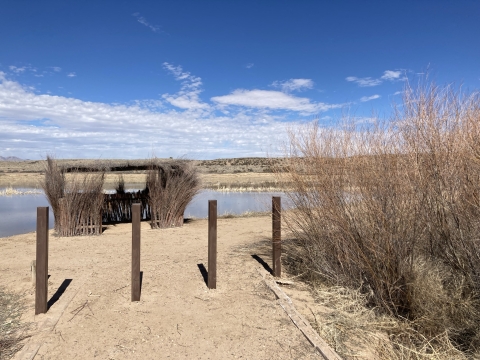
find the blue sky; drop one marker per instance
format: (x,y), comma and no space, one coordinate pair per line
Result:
(213,79)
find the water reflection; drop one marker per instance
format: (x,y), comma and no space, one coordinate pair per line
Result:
(18,213)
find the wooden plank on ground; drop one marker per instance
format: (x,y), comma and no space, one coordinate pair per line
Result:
(312,336)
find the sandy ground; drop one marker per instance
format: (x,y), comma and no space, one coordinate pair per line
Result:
(136,180)
(178,317)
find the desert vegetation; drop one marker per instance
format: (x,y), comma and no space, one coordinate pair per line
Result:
(170,187)
(80,205)
(12,329)
(76,203)
(390,212)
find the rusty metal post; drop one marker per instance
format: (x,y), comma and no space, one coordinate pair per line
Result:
(212,244)
(41,277)
(136,252)
(276,236)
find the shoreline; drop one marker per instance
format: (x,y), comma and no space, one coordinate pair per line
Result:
(209,181)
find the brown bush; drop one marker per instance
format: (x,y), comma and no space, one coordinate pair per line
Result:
(393,208)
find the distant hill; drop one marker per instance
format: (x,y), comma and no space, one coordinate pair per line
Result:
(10,158)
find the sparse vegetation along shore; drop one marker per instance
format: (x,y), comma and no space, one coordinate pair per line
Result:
(9,191)
(391,210)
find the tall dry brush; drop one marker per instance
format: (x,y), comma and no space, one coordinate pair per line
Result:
(171,186)
(54,187)
(393,208)
(77,202)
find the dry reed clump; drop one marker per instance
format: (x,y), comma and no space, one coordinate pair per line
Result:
(76,203)
(120,186)
(393,209)
(12,329)
(54,187)
(171,186)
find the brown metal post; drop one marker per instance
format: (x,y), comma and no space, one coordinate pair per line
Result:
(136,252)
(212,244)
(276,236)
(41,278)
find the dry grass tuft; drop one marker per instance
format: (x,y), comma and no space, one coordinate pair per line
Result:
(393,209)
(12,330)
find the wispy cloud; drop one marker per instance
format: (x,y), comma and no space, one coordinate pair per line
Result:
(188,96)
(390,75)
(294,84)
(72,74)
(249,65)
(143,21)
(364,82)
(368,98)
(22,69)
(274,100)
(56,68)
(17,70)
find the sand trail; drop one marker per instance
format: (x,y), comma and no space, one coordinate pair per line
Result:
(178,317)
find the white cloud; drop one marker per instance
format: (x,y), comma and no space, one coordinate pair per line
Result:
(56,68)
(368,98)
(72,74)
(251,122)
(275,100)
(294,84)
(188,96)
(391,75)
(364,82)
(143,21)
(249,65)
(34,125)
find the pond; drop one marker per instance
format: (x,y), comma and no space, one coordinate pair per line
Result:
(18,212)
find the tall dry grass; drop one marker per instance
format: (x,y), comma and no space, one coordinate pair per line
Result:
(393,209)
(76,203)
(171,186)
(54,187)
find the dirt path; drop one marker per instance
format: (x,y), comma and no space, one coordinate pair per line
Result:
(177,317)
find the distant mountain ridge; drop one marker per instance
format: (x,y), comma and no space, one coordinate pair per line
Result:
(10,158)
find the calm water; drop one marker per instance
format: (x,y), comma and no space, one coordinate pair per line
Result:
(18,213)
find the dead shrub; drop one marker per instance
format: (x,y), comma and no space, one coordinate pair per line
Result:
(393,209)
